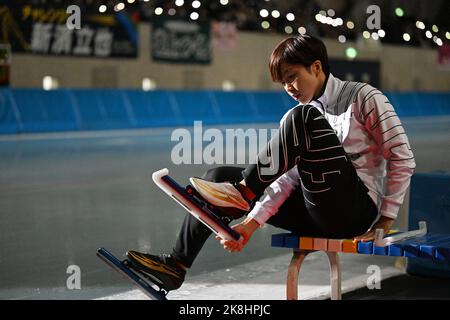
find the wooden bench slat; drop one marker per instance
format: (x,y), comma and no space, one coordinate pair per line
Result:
(306,243)
(320,244)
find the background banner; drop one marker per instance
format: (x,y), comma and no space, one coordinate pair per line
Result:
(38,29)
(181,41)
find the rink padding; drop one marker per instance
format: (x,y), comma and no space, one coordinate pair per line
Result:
(25,110)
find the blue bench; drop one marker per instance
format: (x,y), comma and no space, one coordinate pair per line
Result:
(411,244)
(429,251)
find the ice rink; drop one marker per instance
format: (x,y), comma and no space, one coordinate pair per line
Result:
(64,195)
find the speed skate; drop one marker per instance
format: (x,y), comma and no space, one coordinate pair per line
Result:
(194,203)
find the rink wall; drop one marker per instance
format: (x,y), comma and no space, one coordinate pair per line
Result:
(35,110)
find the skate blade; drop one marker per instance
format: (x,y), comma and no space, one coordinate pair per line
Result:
(150,289)
(147,277)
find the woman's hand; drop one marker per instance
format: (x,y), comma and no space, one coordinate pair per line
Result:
(384,223)
(245,229)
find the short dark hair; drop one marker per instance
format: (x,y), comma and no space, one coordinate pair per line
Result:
(303,49)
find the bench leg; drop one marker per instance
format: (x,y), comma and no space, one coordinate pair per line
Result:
(335,275)
(293,272)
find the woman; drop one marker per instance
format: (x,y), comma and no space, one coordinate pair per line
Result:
(339,166)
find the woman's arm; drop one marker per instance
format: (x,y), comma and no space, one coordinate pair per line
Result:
(386,130)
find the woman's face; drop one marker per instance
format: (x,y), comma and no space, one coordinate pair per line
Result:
(302,83)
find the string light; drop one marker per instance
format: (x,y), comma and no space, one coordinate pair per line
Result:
(102,8)
(351,53)
(329,20)
(335,22)
(437,40)
(194,15)
(120,6)
(264,13)
(399,12)
(420,25)
(324,17)
(429,35)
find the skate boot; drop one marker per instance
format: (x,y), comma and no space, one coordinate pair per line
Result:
(163,269)
(223,194)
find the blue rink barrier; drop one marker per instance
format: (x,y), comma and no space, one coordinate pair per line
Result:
(429,201)
(35,110)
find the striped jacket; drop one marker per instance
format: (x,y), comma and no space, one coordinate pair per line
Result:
(373,137)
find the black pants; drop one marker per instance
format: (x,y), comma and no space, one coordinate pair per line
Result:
(331,201)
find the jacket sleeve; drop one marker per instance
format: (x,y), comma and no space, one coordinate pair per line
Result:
(274,196)
(385,128)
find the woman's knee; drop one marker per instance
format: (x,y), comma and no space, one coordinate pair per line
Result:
(304,113)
